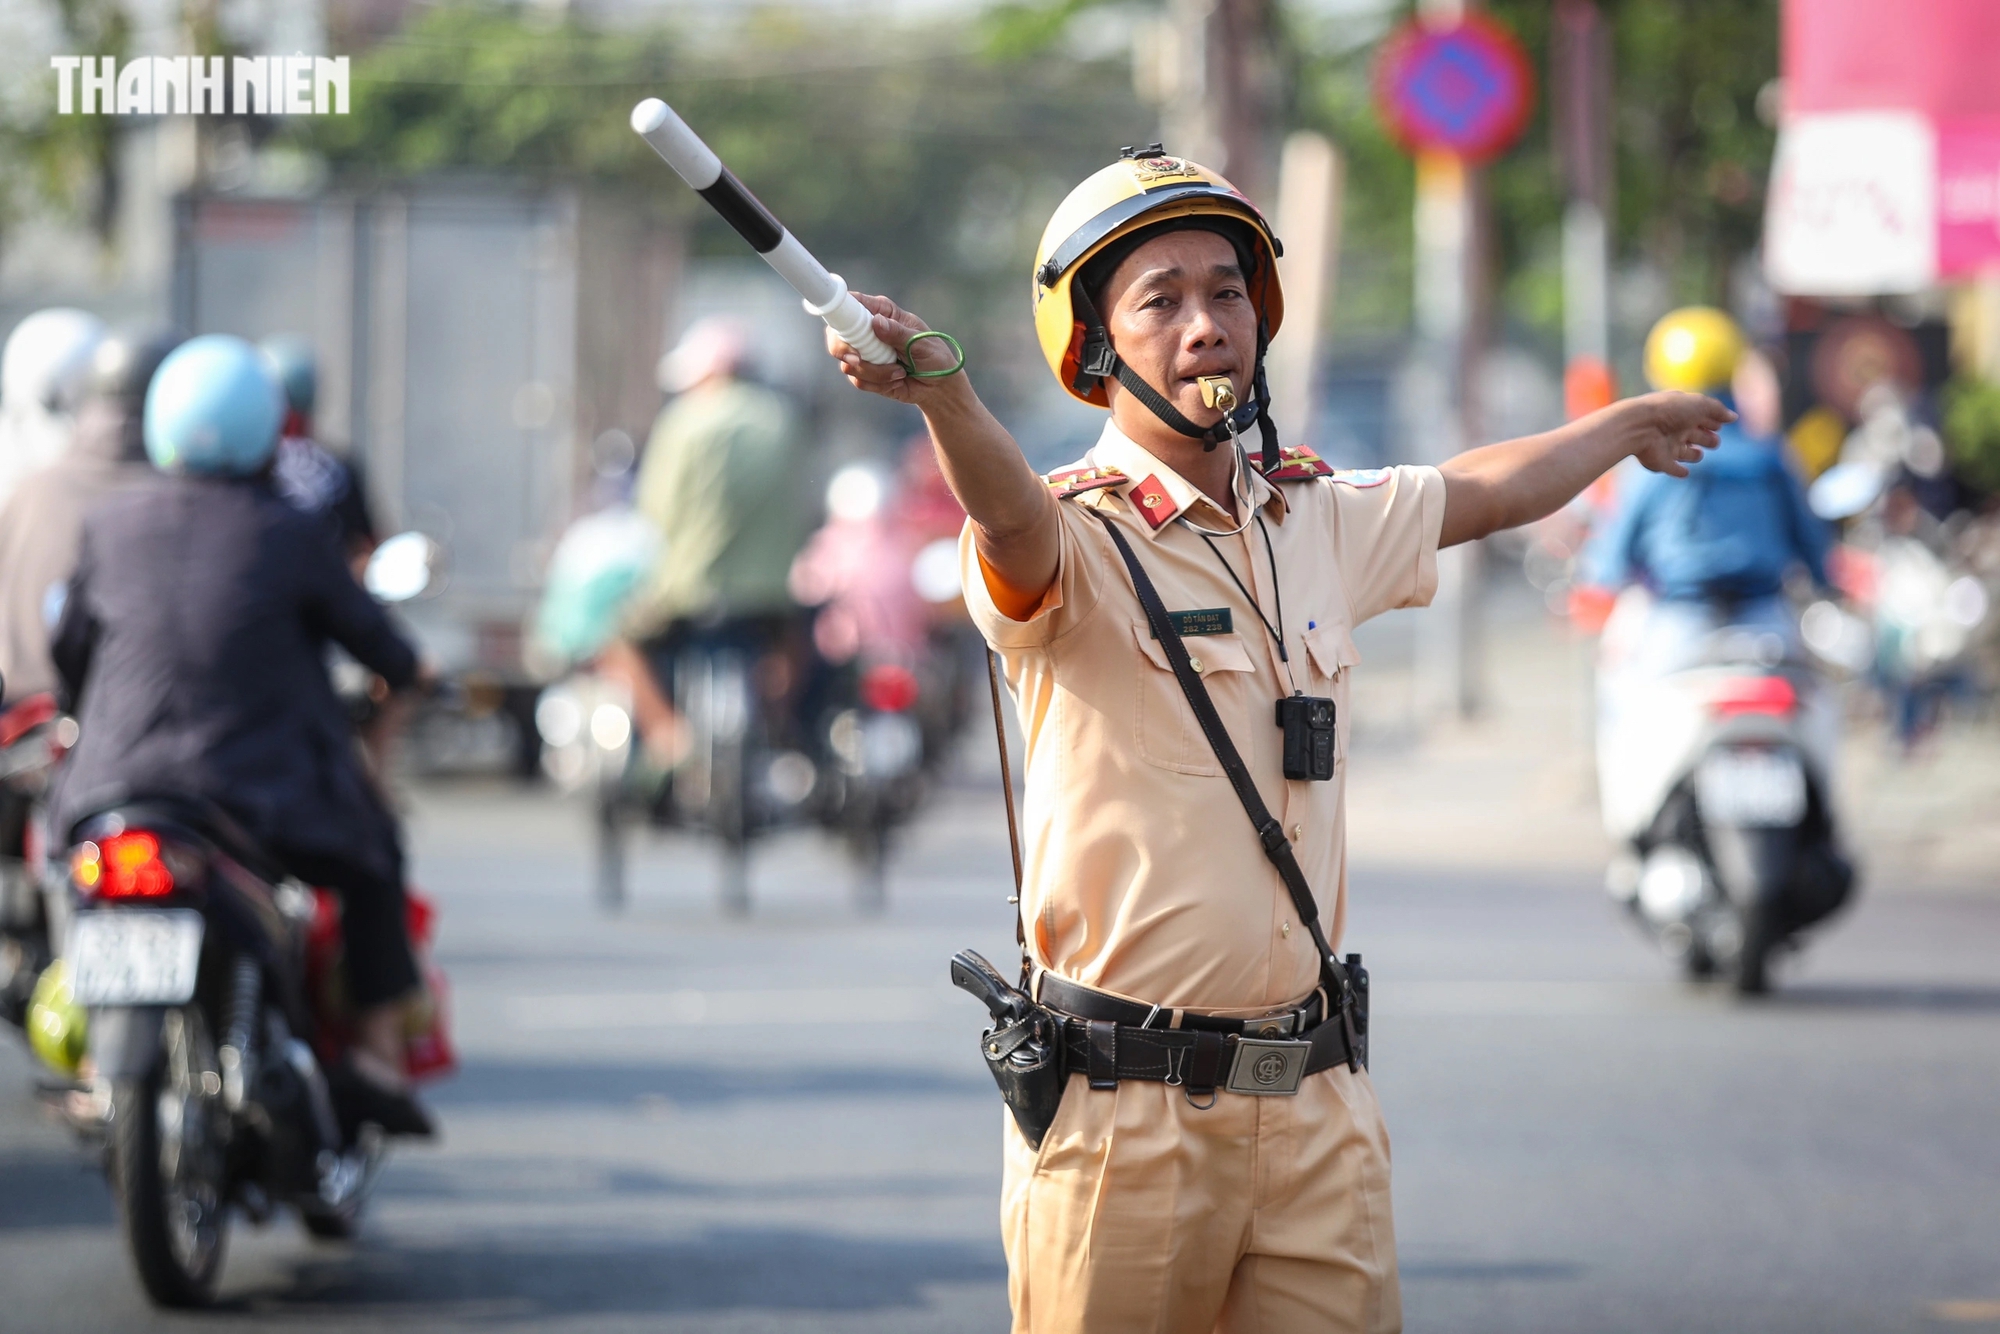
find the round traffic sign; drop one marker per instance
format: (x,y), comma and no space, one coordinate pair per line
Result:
(1467,89)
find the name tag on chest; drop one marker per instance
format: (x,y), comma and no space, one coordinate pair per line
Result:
(1203,621)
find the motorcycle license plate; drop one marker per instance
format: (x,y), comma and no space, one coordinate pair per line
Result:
(1752,788)
(131,957)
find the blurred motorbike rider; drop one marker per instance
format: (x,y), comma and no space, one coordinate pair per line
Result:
(42,372)
(305,472)
(41,522)
(1716,551)
(192,646)
(720,480)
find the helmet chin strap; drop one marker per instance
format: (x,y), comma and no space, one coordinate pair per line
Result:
(1099,360)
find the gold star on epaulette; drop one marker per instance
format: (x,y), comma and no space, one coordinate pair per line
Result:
(1076,481)
(1297,463)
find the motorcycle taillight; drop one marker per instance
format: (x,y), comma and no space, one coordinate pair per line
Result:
(126,865)
(1773,695)
(888,687)
(25,717)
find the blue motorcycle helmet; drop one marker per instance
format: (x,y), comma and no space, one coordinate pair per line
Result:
(213,409)
(291,359)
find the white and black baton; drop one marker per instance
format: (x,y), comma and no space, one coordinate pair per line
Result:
(823,293)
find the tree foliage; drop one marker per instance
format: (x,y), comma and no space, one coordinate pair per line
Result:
(900,158)
(1691,150)
(1972,425)
(922,161)
(1692,153)
(67,162)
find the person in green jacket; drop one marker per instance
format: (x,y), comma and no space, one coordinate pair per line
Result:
(721,481)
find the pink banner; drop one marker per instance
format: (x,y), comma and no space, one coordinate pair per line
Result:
(1968,196)
(1936,56)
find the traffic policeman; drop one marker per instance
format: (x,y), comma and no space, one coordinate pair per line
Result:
(1158,1199)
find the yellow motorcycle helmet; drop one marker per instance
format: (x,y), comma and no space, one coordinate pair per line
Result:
(1695,348)
(1144,188)
(58,1028)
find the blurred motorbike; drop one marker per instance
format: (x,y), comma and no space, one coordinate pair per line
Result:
(738,777)
(1928,615)
(883,729)
(738,771)
(845,731)
(1715,778)
(1925,588)
(198,999)
(892,646)
(34,734)
(213,1017)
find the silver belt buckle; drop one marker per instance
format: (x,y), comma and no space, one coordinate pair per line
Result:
(1264,1068)
(1271,1025)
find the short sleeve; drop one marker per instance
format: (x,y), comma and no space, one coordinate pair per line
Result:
(1385,533)
(1070,598)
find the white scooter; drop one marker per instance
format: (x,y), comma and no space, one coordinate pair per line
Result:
(1715,771)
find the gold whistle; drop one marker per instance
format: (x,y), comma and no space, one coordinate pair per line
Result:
(1216,391)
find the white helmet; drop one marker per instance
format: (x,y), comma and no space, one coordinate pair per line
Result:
(43,374)
(48,358)
(715,345)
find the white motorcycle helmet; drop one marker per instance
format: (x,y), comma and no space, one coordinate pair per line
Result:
(43,373)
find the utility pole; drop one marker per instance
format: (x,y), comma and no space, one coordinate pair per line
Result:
(1310,181)
(1451,312)
(1209,66)
(1581,103)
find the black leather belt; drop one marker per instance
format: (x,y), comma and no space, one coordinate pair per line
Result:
(1200,1059)
(1107,1039)
(1073,998)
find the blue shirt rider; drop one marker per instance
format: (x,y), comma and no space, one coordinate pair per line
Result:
(1732,530)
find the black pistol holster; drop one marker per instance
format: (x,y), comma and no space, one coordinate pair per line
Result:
(1023,1049)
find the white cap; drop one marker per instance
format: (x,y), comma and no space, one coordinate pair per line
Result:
(716,345)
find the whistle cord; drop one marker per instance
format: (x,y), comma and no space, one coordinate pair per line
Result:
(1277,632)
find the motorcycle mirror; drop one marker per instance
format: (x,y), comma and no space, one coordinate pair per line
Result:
(1846,489)
(856,493)
(403,567)
(934,573)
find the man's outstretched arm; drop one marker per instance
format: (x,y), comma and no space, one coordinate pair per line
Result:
(1014,522)
(1520,481)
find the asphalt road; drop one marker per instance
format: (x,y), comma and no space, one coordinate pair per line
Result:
(672,1123)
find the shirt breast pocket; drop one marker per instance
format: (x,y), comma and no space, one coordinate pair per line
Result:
(1166,733)
(1331,657)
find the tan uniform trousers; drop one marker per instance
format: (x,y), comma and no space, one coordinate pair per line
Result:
(1143,1214)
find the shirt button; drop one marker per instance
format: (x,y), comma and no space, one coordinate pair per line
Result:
(1284,929)
(1298,832)
(1194,662)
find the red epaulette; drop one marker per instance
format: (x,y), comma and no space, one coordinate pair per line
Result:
(1076,481)
(1299,463)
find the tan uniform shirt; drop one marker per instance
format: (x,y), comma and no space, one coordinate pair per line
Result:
(1143,875)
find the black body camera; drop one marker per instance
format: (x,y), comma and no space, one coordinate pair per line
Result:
(1308,724)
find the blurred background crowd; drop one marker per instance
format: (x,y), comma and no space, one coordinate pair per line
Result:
(490,266)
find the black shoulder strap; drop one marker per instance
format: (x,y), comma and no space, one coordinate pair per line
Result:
(1333,976)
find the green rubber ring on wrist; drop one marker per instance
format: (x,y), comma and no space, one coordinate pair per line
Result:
(911,366)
